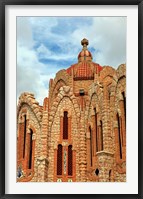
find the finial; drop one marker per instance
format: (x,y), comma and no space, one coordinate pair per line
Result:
(84,43)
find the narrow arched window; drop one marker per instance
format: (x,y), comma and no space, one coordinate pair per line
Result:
(101,136)
(65,125)
(24,136)
(119,135)
(90,131)
(96,129)
(70,160)
(59,160)
(110,175)
(30,150)
(124,99)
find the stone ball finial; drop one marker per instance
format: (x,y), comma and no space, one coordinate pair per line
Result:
(84,42)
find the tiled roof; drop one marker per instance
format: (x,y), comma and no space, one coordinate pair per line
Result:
(84,69)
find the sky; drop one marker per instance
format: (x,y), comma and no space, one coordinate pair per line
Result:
(46,45)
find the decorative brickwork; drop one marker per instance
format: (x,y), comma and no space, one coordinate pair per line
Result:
(79,134)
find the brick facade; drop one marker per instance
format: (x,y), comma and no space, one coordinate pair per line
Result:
(79,134)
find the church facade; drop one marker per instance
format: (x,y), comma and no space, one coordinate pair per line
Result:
(79,134)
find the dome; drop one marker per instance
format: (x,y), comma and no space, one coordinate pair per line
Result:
(85,54)
(85,68)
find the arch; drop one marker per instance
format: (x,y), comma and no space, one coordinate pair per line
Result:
(29,100)
(65,81)
(108,71)
(121,71)
(65,91)
(55,88)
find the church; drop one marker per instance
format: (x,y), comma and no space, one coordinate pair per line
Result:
(79,134)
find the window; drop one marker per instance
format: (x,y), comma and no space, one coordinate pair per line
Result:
(65,125)
(124,99)
(70,160)
(30,150)
(59,160)
(96,141)
(81,92)
(119,136)
(24,136)
(100,137)
(90,146)
(97,172)
(110,176)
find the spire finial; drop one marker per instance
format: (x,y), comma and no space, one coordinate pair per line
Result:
(84,43)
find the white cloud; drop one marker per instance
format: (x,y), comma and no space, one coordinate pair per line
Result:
(107,35)
(24,32)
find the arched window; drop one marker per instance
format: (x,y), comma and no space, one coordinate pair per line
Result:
(119,135)
(110,171)
(65,125)
(30,149)
(70,160)
(124,98)
(96,133)
(59,160)
(101,136)
(90,131)
(124,109)
(24,136)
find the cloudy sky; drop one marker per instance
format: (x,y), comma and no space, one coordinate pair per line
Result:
(47,44)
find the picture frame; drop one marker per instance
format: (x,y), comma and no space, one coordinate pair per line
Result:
(3,100)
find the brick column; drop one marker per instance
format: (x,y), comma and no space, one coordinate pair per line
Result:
(42,165)
(105,161)
(42,160)
(82,152)
(107,141)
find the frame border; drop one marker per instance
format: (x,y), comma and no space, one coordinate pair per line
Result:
(3,3)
